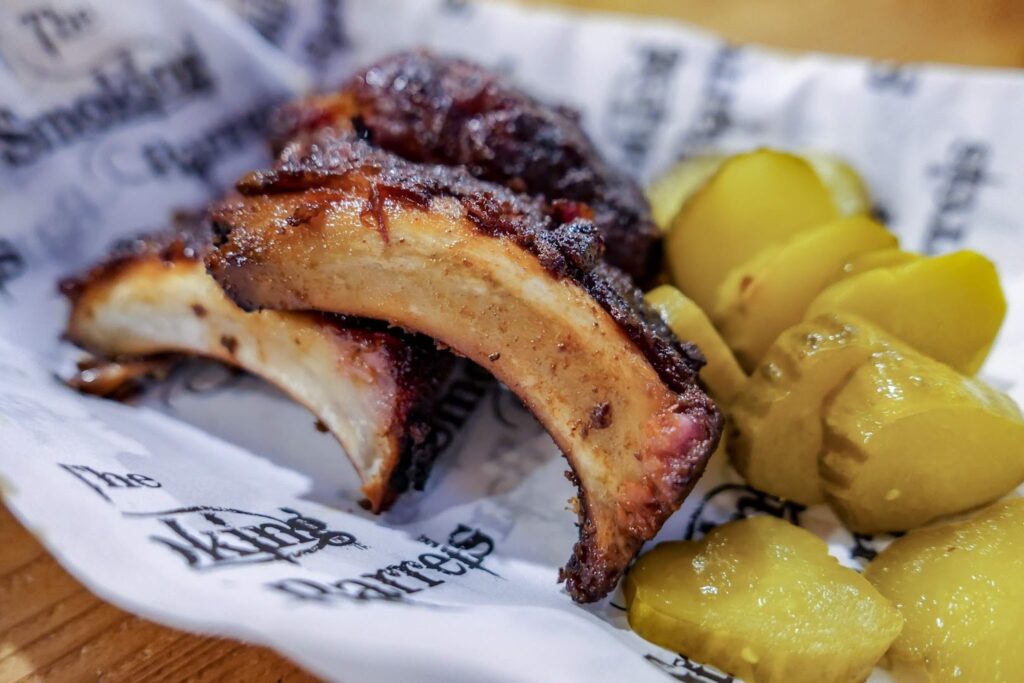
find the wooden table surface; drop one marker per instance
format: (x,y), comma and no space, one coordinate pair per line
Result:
(975,32)
(53,629)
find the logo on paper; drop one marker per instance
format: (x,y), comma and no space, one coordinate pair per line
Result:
(270,18)
(640,101)
(728,502)
(278,20)
(457,403)
(960,180)
(715,116)
(53,29)
(329,38)
(208,537)
(892,77)
(197,155)
(66,229)
(456,6)
(864,547)
(465,551)
(12,264)
(122,90)
(684,669)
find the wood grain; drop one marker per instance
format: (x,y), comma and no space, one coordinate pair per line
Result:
(53,629)
(975,32)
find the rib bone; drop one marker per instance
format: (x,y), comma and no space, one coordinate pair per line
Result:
(516,285)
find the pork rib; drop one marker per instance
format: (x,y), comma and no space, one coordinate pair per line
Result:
(368,386)
(513,283)
(440,110)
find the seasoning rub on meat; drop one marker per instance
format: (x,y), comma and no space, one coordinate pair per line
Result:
(513,282)
(370,387)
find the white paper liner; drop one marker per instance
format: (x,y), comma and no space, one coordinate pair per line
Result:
(114,114)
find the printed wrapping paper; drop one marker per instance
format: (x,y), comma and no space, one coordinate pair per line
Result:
(213,504)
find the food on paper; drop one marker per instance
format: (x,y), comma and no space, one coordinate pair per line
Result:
(882,258)
(776,420)
(755,246)
(722,374)
(509,281)
(440,110)
(948,307)
(840,411)
(960,589)
(669,192)
(909,439)
(849,193)
(370,387)
(754,200)
(428,193)
(773,289)
(763,600)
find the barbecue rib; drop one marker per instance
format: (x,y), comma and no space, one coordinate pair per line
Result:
(514,283)
(440,110)
(368,386)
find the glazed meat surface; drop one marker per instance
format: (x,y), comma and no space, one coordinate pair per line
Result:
(513,282)
(441,110)
(369,387)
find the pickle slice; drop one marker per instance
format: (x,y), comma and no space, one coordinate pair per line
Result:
(761,599)
(776,434)
(770,292)
(722,375)
(948,307)
(882,258)
(909,439)
(960,587)
(849,193)
(669,192)
(752,201)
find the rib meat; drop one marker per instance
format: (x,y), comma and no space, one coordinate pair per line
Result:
(515,284)
(433,109)
(369,387)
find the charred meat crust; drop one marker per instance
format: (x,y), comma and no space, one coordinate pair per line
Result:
(567,245)
(419,368)
(329,165)
(186,239)
(589,571)
(120,380)
(440,110)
